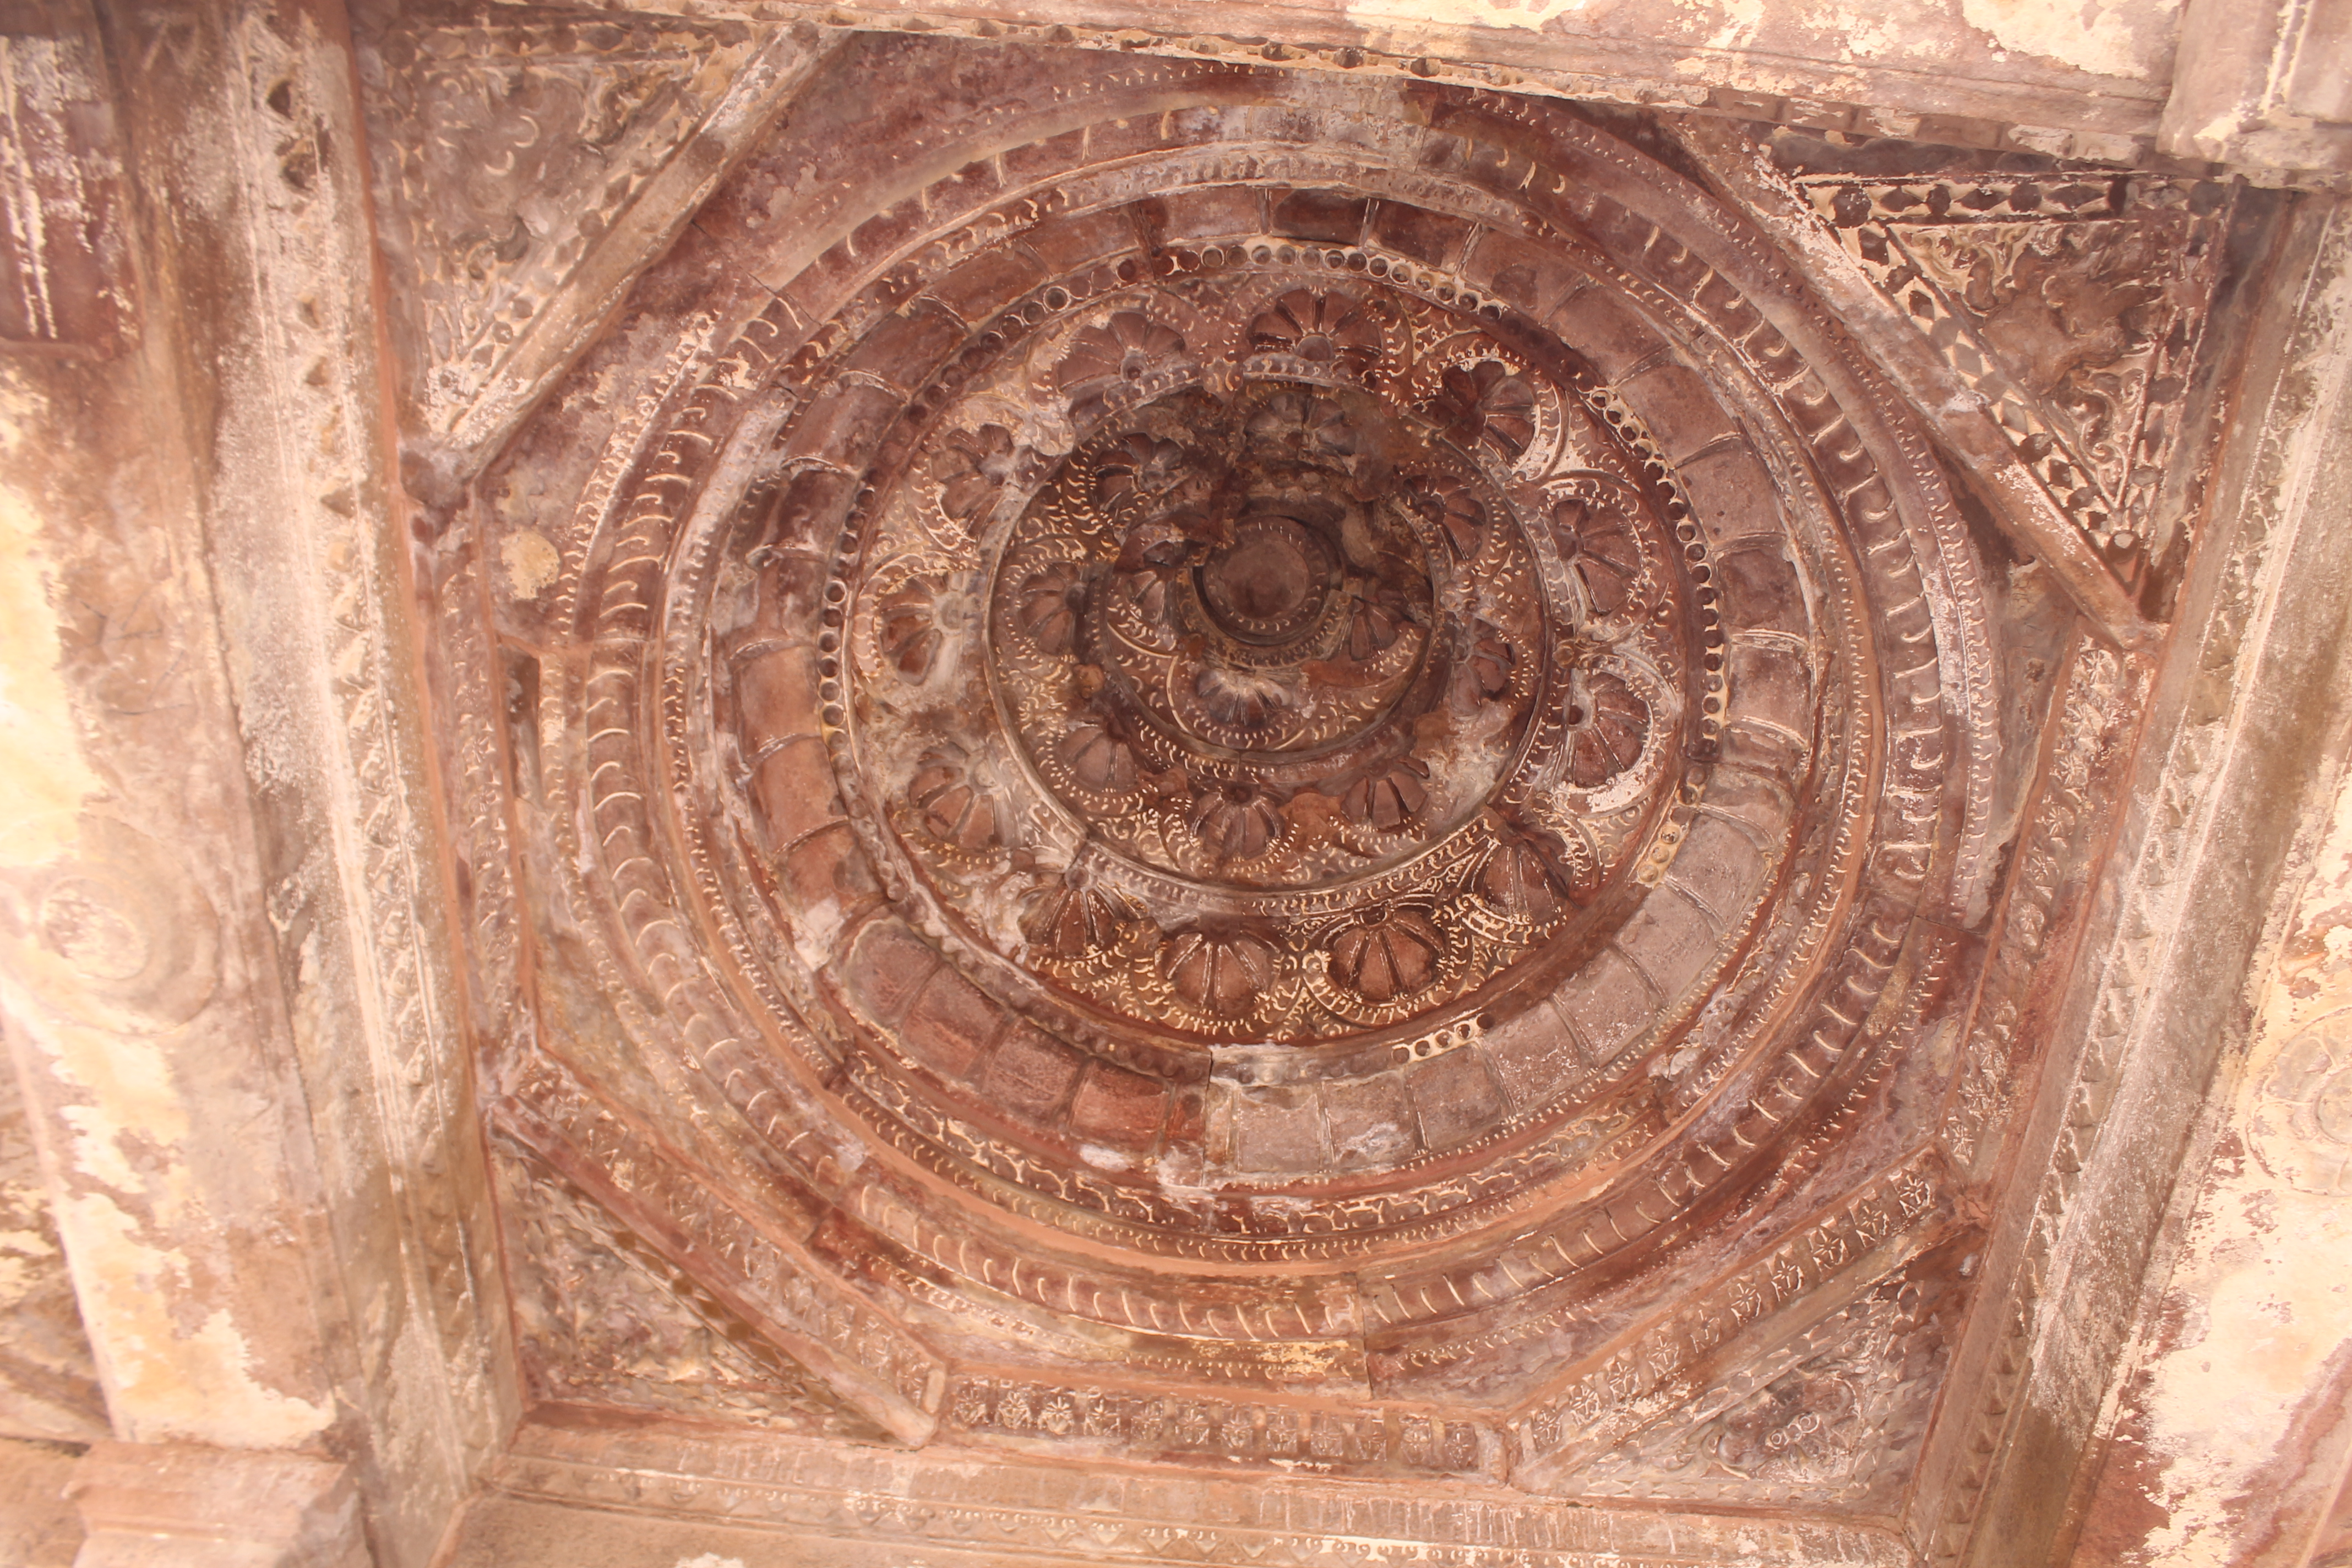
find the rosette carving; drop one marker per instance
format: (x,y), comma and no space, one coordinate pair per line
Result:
(1051,602)
(910,633)
(954,807)
(1517,881)
(1235,821)
(1075,919)
(1389,955)
(1608,723)
(1390,799)
(1127,347)
(972,469)
(1599,544)
(1226,972)
(1099,758)
(1488,403)
(1448,503)
(1283,640)
(1321,329)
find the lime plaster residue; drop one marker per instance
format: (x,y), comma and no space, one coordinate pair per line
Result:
(167,1381)
(531,563)
(2091,35)
(1527,13)
(122,1116)
(45,780)
(2268,1260)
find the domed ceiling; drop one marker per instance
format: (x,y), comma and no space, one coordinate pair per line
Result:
(1260,772)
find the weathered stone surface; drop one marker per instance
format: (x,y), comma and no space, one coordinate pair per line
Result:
(812,785)
(49,1381)
(148,1504)
(39,1526)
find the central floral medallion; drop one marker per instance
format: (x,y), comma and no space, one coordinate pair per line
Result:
(1311,689)
(1243,647)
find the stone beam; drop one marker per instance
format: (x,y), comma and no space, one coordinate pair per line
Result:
(1950,71)
(174,1506)
(223,961)
(664,1494)
(2264,86)
(2229,1433)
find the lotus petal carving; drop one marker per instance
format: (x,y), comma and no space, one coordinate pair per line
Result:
(1224,972)
(1391,952)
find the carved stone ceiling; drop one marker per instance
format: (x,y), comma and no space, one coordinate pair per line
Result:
(1162,760)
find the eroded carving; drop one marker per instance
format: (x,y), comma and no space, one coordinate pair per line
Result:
(505,151)
(1275,813)
(2073,305)
(605,1320)
(2303,1128)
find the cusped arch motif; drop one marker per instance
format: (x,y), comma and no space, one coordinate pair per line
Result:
(1360,786)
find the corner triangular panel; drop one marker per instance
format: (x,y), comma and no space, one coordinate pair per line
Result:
(504,151)
(1828,1418)
(603,1320)
(2072,302)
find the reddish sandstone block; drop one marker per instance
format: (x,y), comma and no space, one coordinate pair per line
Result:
(1037,160)
(848,420)
(807,515)
(967,190)
(906,350)
(1608,1003)
(1424,235)
(950,1025)
(1120,1108)
(1734,314)
(1455,1098)
(1031,1073)
(1066,245)
(1733,497)
(1494,164)
(1200,125)
(1533,1056)
(1215,212)
(827,879)
(1277,1129)
(1128,137)
(793,789)
(1603,332)
(1516,272)
(1719,865)
(1768,752)
(1770,685)
(885,232)
(1327,217)
(1759,589)
(885,967)
(775,696)
(982,286)
(1187,1129)
(1371,1121)
(815,291)
(1678,408)
(1733,792)
(1671,938)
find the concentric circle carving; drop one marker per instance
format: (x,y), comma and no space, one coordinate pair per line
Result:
(1137,741)
(1222,724)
